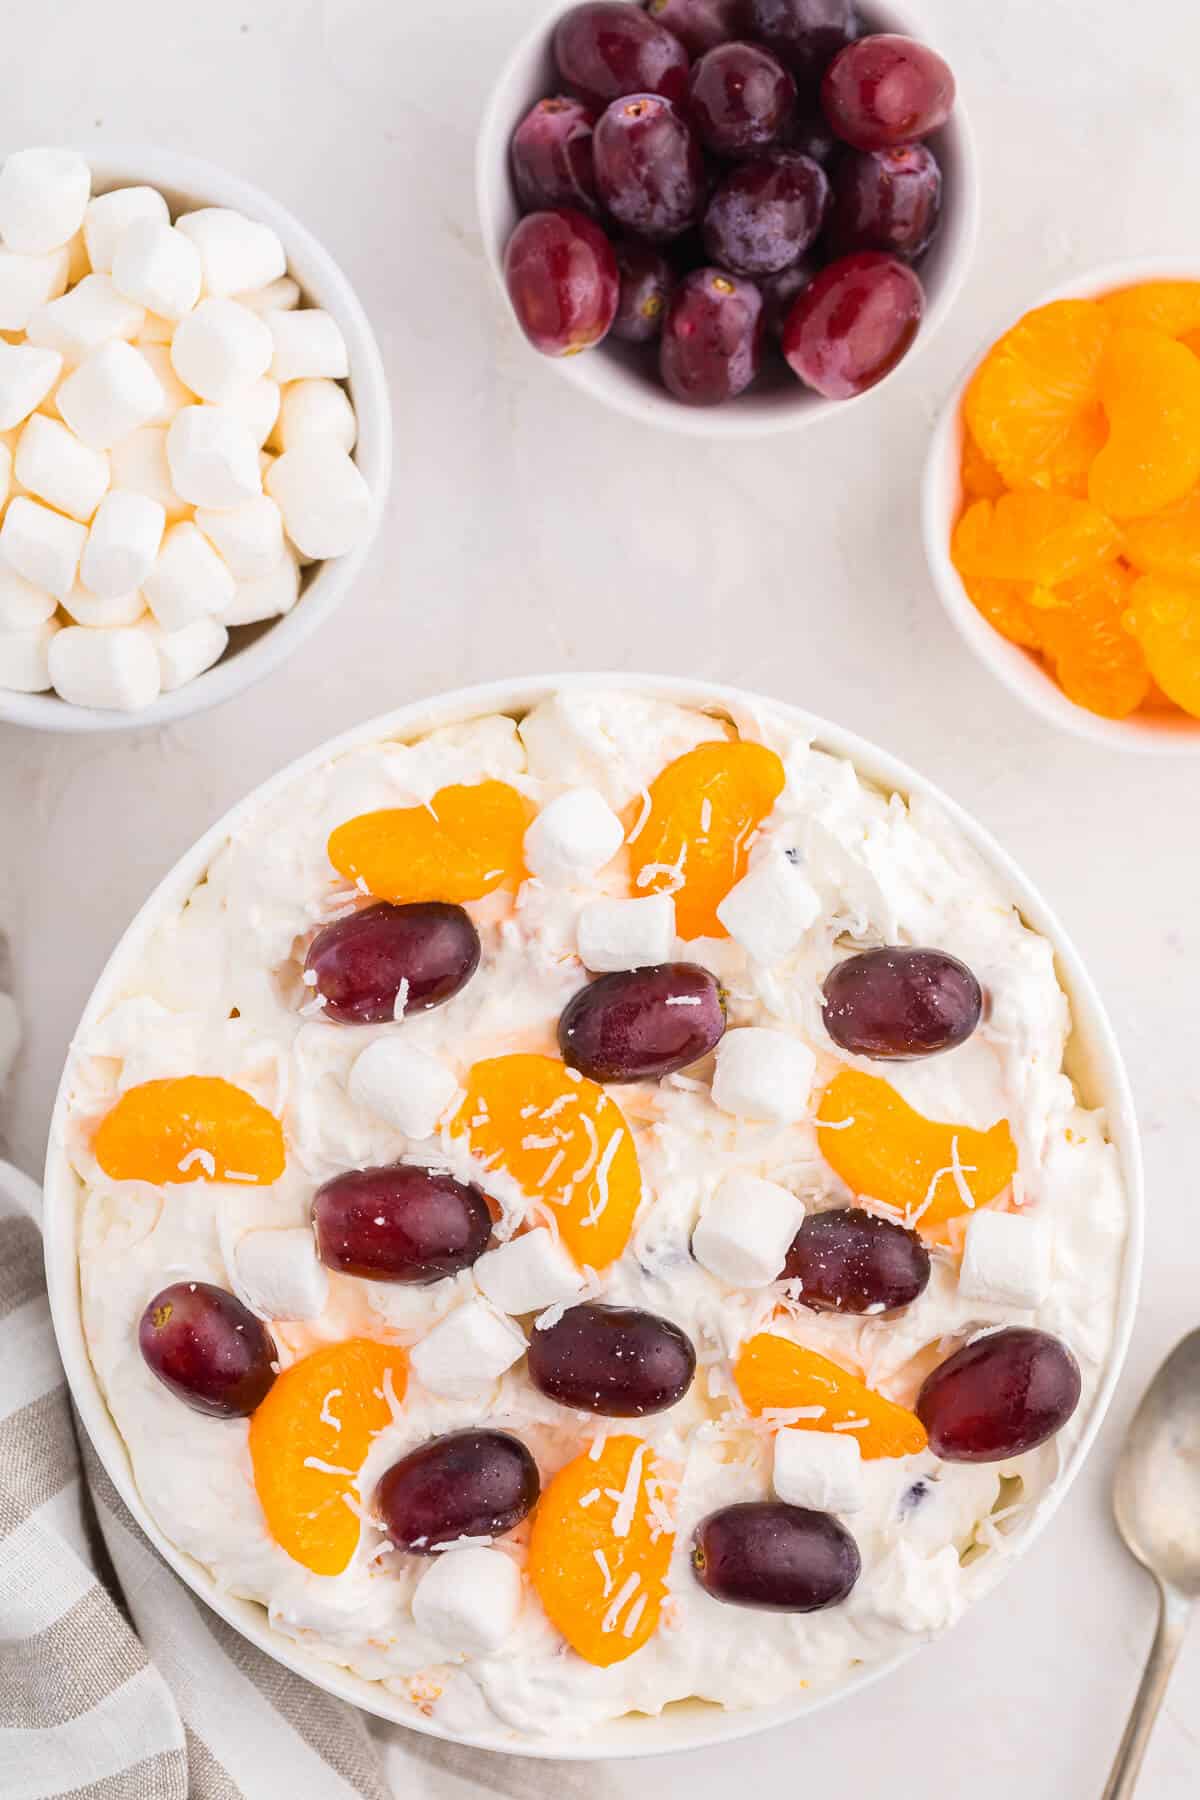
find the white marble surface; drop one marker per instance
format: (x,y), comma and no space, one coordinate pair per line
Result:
(530,531)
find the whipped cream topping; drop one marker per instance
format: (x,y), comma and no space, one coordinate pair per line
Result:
(218,991)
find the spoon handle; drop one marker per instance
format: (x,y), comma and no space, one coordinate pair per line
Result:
(1173,1615)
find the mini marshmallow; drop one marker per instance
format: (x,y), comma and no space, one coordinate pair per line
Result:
(281,1275)
(249,537)
(41,545)
(112,392)
(22,606)
(626,934)
(87,608)
(467,1351)
(269,597)
(54,466)
(27,375)
(745,1231)
(258,407)
(1006,1260)
(92,314)
(220,349)
(43,198)
(124,540)
(109,216)
(278,296)
(188,579)
(820,1469)
(573,837)
(213,457)
(175,394)
(115,670)
(139,464)
(157,266)
(404,1085)
(237,254)
(184,654)
(770,909)
(468,1600)
(325,502)
(528,1273)
(27,282)
(307,343)
(316,408)
(25,657)
(763,1074)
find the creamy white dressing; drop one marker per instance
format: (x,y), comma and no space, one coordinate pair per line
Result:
(219,992)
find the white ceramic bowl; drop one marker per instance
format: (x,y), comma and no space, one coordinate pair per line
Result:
(254,650)
(1022,672)
(1094,1062)
(623,377)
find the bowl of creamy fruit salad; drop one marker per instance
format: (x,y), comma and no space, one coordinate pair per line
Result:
(592,1216)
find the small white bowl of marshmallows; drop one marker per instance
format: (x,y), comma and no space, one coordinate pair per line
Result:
(195,437)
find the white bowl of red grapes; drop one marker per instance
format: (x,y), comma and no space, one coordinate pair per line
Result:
(761,201)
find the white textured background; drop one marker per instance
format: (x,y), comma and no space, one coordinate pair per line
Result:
(530,531)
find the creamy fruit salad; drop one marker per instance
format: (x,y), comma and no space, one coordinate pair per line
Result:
(586,1211)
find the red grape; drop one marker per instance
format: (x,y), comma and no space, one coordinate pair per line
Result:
(701,24)
(885,91)
(885,200)
(853,324)
(649,169)
(849,1261)
(430,949)
(896,1004)
(608,49)
(400,1223)
(647,280)
(780,292)
(805,33)
(562,280)
(613,1360)
(641,1024)
(741,98)
(712,337)
(765,214)
(209,1349)
(775,1557)
(1006,1393)
(466,1484)
(552,156)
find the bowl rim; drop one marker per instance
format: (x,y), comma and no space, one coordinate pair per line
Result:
(325,284)
(941,494)
(732,421)
(634,1736)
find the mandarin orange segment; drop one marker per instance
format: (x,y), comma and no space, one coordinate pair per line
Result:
(600,1549)
(466,843)
(773,1373)
(190,1128)
(1165,619)
(980,480)
(564,1141)
(1098,663)
(1009,607)
(1033,406)
(1150,387)
(310,1438)
(695,840)
(1037,538)
(1169,306)
(884,1150)
(1167,543)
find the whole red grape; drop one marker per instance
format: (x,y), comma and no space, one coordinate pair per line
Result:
(211,1351)
(765,214)
(400,1223)
(805,33)
(847,1260)
(885,91)
(712,337)
(607,49)
(359,965)
(885,200)
(466,1484)
(1003,1394)
(897,1003)
(562,279)
(853,324)
(649,168)
(552,156)
(647,280)
(642,1024)
(778,1558)
(741,99)
(701,24)
(614,1360)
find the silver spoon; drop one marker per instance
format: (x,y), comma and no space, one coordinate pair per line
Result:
(1157,1504)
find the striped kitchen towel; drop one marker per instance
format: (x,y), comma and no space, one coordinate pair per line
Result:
(116,1681)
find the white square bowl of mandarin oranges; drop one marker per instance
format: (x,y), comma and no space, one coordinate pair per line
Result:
(593,1215)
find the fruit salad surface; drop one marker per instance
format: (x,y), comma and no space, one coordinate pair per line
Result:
(725,1425)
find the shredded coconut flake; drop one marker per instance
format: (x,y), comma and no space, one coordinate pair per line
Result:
(205,1159)
(401,1006)
(624,1595)
(324,1468)
(327,1415)
(606,1572)
(627,1503)
(642,817)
